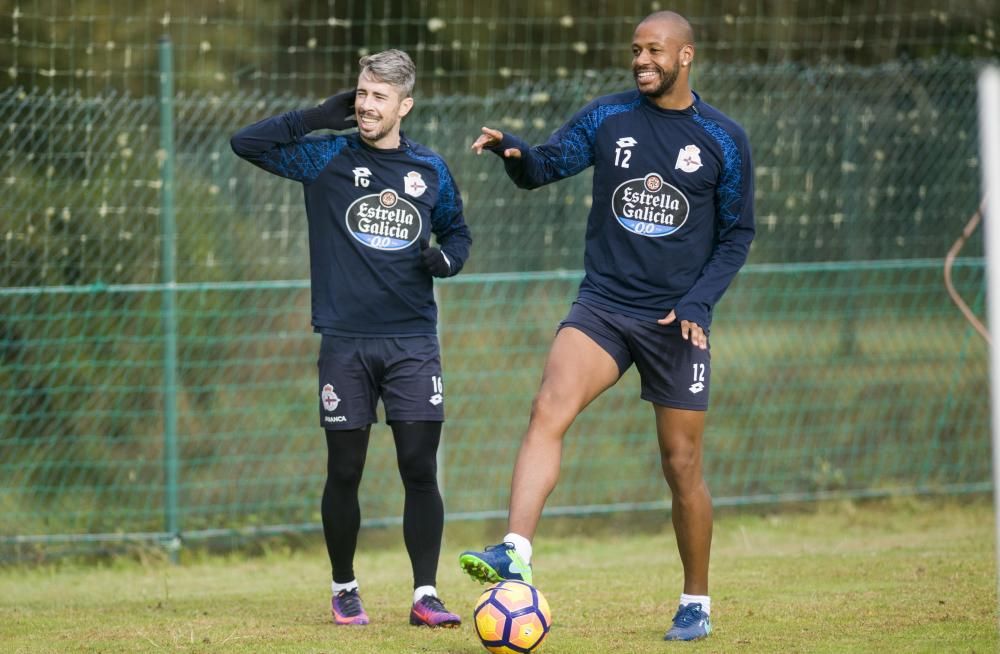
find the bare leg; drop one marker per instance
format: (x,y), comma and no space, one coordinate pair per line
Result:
(576,372)
(679,433)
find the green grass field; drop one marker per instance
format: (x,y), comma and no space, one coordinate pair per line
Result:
(904,575)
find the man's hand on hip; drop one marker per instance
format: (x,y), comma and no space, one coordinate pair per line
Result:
(690,331)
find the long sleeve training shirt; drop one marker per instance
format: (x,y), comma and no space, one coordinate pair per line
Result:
(369,212)
(671,218)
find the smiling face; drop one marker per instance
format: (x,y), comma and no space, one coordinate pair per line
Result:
(661,52)
(380,108)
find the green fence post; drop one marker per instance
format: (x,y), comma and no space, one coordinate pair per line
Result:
(168,254)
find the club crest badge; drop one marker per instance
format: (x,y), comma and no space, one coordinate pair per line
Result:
(413,184)
(330,399)
(688,159)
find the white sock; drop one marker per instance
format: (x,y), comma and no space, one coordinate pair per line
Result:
(420,591)
(521,545)
(704,600)
(351,585)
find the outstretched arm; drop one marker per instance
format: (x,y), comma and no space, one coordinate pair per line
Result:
(490,139)
(568,151)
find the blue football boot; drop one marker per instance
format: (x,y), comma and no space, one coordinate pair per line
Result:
(690,623)
(495,563)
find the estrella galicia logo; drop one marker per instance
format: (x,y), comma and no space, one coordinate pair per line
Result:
(384,221)
(649,206)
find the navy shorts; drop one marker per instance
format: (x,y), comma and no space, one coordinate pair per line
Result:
(673,372)
(355,372)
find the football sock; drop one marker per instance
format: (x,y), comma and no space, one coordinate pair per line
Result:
(521,545)
(350,585)
(340,510)
(423,509)
(704,600)
(420,591)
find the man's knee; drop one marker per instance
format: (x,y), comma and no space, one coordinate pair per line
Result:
(682,466)
(346,454)
(418,468)
(345,474)
(554,407)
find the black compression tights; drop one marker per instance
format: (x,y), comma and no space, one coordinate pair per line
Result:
(423,510)
(345,460)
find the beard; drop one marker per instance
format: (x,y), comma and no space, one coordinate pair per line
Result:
(383,129)
(667,79)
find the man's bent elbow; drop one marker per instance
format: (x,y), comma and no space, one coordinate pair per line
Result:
(241,146)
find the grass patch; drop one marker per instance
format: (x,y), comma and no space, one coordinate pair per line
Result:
(888,576)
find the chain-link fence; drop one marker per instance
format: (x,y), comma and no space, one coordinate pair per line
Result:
(840,363)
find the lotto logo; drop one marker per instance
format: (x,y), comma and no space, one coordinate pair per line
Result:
(438,385)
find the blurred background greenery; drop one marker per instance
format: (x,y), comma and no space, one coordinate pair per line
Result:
(841,365)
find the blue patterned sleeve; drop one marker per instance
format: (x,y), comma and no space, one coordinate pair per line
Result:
(280,146)
(568,151)
(735,226)
(448,222)
(448,217)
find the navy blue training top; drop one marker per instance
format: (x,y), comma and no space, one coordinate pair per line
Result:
(369,210)
(671,218)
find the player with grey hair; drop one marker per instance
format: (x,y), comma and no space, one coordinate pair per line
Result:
(373,200)
(392,67)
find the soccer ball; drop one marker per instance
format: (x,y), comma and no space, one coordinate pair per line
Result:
(512,616)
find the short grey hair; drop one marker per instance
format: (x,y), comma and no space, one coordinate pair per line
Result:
(392,67)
